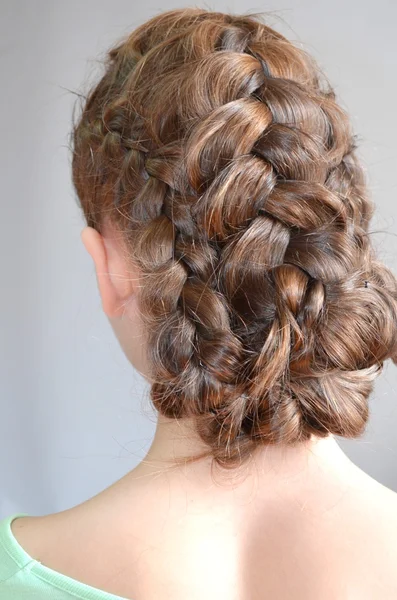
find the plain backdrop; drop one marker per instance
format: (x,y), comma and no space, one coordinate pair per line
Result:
(74,416)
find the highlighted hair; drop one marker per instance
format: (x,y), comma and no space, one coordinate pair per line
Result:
(219,151)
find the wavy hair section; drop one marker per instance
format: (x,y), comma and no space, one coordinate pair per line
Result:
(219,150)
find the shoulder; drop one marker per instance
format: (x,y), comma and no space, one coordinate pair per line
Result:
(28,531)
(375,497)
(39,535)
(13,558)
(372,511)
(75,543)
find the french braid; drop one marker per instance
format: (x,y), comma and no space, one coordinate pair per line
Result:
(219,150)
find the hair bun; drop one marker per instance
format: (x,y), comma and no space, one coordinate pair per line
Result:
(218,147)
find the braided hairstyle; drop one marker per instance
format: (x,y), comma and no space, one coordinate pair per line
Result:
(219,151)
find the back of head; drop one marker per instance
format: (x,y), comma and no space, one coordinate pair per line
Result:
(218,150)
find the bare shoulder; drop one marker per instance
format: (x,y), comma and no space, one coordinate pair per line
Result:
(377,496)
(372,511)
(25,531)
(75,543)
(39,534)
(349,538)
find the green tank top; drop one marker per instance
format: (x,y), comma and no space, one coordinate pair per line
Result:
(24,578)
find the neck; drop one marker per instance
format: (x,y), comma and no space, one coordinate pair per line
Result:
(177,439)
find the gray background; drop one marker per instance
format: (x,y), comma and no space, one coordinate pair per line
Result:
(74,416)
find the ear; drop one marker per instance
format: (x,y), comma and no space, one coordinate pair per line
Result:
(114,280)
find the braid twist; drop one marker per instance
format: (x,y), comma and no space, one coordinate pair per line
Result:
(217,146)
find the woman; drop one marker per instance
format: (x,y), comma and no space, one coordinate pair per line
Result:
(227,218)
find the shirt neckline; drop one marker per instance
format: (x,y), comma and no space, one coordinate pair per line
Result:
(54,578)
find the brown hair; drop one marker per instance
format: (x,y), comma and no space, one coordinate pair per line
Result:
(217,148)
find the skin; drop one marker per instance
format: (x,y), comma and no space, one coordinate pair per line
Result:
(294,522)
